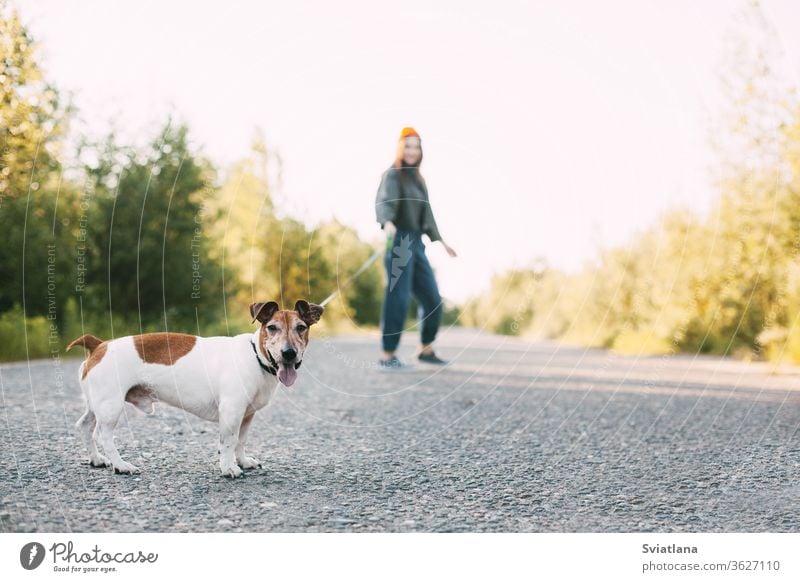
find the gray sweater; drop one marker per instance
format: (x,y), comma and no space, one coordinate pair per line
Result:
(403,198)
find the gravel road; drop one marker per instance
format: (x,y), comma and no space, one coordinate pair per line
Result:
(511,436)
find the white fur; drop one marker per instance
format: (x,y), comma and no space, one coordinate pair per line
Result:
(218,380)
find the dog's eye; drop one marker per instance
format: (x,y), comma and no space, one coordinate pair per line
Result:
(301,328)
(272,327)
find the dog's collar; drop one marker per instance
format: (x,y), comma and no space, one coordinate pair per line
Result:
(273,369)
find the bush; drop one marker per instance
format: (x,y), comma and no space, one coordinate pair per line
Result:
(23,339)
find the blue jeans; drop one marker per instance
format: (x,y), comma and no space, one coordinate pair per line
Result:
(408,271)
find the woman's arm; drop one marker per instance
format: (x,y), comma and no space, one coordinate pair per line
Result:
(450,250)
(433,232)
(429,223)
(432,229)
(387,200)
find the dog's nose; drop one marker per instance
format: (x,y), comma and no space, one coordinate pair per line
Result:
(288,354)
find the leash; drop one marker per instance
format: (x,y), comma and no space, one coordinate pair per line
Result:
(360,270)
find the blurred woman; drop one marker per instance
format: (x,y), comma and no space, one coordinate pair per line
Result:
(404,213)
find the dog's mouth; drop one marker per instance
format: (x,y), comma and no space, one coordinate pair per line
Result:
(287,371)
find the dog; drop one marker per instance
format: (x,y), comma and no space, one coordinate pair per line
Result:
(221,379)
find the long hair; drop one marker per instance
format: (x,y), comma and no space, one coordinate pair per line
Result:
(398,156)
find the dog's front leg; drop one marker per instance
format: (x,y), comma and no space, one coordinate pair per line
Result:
(229,423)
(242,459)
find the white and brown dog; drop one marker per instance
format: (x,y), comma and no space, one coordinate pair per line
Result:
(222,379)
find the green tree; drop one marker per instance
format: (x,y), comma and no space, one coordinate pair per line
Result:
(36,210)
(149,253)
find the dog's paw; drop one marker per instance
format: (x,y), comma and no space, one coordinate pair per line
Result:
(248,463)
(233,471)
(126,468)
(99,461)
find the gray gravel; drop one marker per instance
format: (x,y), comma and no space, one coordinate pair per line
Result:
(512,436)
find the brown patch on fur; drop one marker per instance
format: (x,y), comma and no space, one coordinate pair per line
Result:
(163,348)
(88,341)
(95,355)
(142,398)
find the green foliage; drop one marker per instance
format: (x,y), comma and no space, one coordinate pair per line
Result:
(240,216)
(31,115)
(343,252)
(25,338)
(36,210)
(508,307)
(147,251)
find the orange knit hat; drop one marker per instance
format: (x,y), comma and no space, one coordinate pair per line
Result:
(409,132)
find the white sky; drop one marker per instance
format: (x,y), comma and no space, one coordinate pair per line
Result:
(548,127)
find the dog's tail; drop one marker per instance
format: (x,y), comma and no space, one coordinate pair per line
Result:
(88,341)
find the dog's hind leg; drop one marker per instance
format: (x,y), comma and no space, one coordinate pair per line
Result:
(106,423)
(86,425)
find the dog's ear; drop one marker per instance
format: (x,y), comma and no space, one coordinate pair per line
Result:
(309,312)
(263,312)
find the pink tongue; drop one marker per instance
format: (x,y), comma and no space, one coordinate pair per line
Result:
(287,375)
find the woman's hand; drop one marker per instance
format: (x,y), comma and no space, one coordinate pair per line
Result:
(389,228)
(450,250)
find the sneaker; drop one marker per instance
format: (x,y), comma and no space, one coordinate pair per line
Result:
(431,358)
(392,363)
